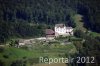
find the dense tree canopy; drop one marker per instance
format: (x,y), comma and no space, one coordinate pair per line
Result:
(16,15)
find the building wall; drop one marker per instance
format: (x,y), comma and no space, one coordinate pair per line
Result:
(21,44)
(63,31)
(60,30)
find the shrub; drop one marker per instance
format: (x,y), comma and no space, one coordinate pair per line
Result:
(6,56)
(18,63)
(1,49)
(1,63)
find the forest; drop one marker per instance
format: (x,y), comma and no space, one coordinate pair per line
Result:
(15,15)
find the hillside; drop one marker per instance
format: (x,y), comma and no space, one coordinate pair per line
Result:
(29,18)
(18,16)
(29,55)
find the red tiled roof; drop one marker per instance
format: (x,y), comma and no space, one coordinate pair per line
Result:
(49,31)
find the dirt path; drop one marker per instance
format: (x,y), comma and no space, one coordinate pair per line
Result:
(79,22)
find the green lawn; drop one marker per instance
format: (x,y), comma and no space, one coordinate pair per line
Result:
(10,54)
(94,34)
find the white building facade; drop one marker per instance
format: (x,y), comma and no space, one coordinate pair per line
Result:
(62,30)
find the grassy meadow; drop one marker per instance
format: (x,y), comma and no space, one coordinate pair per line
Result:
(30,54)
